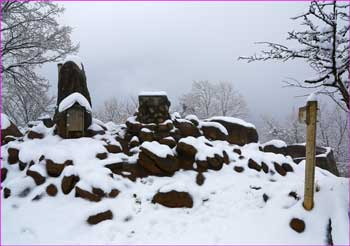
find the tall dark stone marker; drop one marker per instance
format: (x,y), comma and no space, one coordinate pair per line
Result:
(72,122)
(153,107)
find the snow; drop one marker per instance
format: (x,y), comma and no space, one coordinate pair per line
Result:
(232,120)
(153,93)
(312,98)
(275,142)
(217,125)
(192,117)
(158,149)
(5,122)
(203,147)
(70,100)
(76,59)
(226,209)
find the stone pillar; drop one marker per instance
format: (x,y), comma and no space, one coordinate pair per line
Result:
(153,108)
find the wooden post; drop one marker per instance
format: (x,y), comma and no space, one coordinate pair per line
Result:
(309,115)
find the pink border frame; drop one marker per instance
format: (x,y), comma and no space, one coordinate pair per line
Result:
(267,1)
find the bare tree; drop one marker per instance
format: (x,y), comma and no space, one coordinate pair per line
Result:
(21,107)
(117,110)
(30,37)
(324,45)
(208,99)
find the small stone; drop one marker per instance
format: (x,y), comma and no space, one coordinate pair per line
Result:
(99,217)
(22,165)
(102,156)
(279,169)
(114,193)
(35,135)
(237,151)
(7,193)
(86,195)
(173,199)
(264,167)
(3,174)
(51,190)
(200,179)
(253,165)
(38,178)
(238,169)
(12,155)
(287,167)
(265,197)
(297,225)
(294,195)
(68,183)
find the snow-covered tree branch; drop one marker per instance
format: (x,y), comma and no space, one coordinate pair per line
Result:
(323,44)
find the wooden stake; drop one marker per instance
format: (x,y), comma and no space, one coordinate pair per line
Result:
(311,119)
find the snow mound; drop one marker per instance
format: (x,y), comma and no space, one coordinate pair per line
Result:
(70,100)
(232,120)
(277,143)
(158,149)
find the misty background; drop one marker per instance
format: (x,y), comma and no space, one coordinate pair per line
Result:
(129,47)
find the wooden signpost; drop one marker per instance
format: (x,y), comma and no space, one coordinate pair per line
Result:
(308,115)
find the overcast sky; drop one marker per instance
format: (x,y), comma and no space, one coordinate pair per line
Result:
(128,47)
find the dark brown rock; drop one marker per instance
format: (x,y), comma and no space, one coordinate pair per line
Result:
(54,169)
(213,133)
(297,225)
(237,151)
(294,195)
(12,155)
(173,199)
(111,148)
(146,136)
(202,165)
(102,156)
(10,133)
(68,183)
(296,151)
(253,165)
(99,217)
(22,165)
(264,167)
(168,141)
(35,135)
(133,127)
(186,128)
(238,134)
(3,174)
(215,162)
(238,169)
(241,157)
(226,158)
(287,167)
(114,193)
(187,150)
(48,122)
(149,160)
(200,179)
(51,190)
(265,197)
(7,192)
(273,149)
(279,169)
(38,178)
(87,195)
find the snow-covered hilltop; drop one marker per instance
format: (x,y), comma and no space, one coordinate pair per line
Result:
(160,179)
(180,189)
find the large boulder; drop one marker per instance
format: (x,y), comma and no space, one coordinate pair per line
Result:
(275,146)
(239,131)
(186,128)
(324,157)
(157,158)
(214,130)
(173,199)
(8,130)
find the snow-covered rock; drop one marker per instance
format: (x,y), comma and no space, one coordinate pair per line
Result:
(73,98)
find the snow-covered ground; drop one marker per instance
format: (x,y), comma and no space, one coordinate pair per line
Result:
(231,207)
